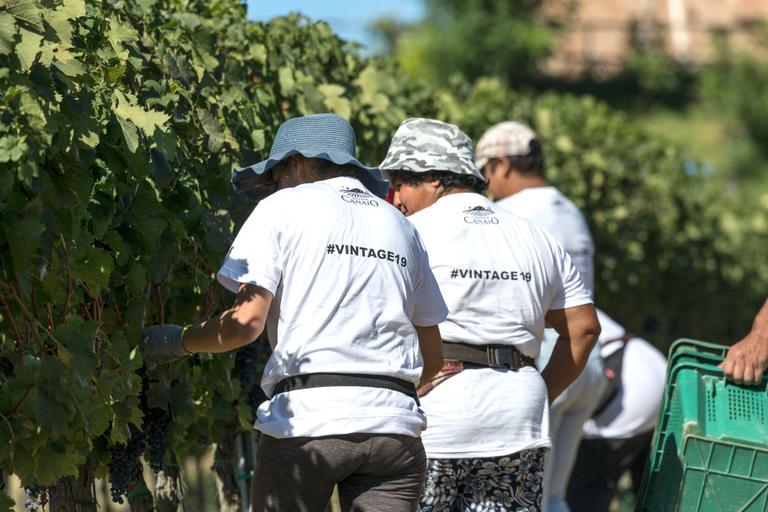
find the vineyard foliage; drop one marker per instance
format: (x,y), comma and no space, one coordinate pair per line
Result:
(120,122)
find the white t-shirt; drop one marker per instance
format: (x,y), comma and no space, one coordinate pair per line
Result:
(499,275)
(548,208)
(635,408)
(350,279)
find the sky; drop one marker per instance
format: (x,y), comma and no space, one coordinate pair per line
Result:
(348,18)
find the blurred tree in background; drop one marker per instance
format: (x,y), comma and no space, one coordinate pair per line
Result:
(472,38)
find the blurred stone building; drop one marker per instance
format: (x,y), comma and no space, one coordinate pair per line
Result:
(601,34)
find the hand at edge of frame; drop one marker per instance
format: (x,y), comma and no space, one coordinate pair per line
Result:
(747,360)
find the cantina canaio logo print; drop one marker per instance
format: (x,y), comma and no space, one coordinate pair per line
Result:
(479,215)
(358,196)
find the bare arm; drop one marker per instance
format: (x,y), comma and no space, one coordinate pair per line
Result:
(234,328)
(431,346)
(748,359)
(578,329)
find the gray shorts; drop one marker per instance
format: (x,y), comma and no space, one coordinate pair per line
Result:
(374,472)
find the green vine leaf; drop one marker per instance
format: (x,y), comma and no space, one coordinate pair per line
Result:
(28,48)
(73,8)
(286,80)
(23,236)
(59,23)
(147,120)
(7,33)
(335,101)
(28,12)
(121,36)
(130,133)
(6,503)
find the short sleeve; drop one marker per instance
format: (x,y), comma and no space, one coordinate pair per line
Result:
(569,288)
(430,308)
(254,257)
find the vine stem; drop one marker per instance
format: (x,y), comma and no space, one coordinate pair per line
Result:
(98,307)
(10,428)
(12,288)
(49,309)
(68,299)
(87,311)
(118,316)
(209,299)
(20,403)
(20,340)
(159,299)
(31,319)
(95,304)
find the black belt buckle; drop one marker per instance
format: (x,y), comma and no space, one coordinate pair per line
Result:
(503,357)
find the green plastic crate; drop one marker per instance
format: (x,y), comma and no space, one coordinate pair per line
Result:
(695,351)
(702,347)
(710,448)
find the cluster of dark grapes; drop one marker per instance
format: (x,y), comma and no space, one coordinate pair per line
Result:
(156,424)
(122,464)
(247,371)
(37,498)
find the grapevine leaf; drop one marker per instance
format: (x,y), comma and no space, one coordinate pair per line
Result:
(51,414)
(73,8)
(27,11)
(286,79)
(188,20)
(136,278)
(55,52)
(7,33)
(259,53)
(115,73)
(163,172)
(371,82)
(93,267)
(119,37)
(12,149)
(55,460)
(24,461)
(72,68)
(90,139)
(23,236)
(28,48)
(335,100)
(6,503)
(130,133)
(258,139)
(60,25)
(212,127)
(147,120)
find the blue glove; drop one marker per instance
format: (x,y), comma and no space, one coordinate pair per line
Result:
(162,344)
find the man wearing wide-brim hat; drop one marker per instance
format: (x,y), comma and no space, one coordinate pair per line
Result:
(502,278)
(342,283)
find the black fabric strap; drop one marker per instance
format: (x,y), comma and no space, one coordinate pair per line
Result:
(612,366)
(320,380)
(492,356)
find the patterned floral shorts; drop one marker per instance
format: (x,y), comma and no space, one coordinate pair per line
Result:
(511,483)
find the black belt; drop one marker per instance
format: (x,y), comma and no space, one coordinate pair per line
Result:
(320,380)
(492,356)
